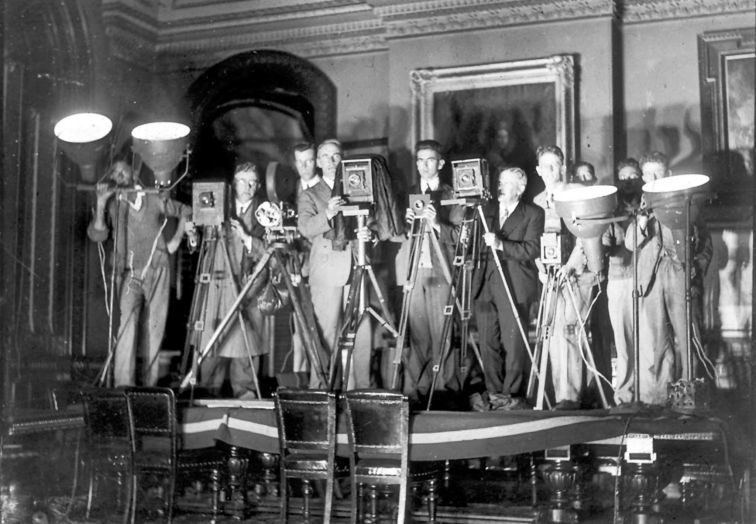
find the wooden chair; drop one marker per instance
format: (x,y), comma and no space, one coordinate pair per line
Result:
(158,450)
(110,438)
(378,430)
(307,441)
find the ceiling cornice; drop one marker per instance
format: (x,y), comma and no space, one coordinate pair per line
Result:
(193,34)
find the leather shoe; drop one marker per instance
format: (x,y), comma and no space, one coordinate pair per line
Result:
(566,405)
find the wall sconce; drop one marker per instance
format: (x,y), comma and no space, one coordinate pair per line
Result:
(161,146)
(82,138)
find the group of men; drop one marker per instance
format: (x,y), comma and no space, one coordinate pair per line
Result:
(506,281)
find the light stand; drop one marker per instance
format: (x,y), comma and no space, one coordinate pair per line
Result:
(676,202)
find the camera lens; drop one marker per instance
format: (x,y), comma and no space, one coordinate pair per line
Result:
(355,180)
(419,205)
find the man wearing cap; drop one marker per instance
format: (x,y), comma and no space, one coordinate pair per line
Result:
(142,267)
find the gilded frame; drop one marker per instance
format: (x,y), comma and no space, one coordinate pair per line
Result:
(552,77)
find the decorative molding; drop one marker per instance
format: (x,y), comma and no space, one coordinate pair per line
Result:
(199,32)
(633,11)
(439,16)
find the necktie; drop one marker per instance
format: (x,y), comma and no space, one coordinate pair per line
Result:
(427,189)
(503,215)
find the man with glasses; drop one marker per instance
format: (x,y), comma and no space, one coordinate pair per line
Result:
(236,354)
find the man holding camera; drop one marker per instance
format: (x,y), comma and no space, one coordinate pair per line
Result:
(428,297)
(515,232)
(574,278)
(142,267)
(236,354)
(330,267)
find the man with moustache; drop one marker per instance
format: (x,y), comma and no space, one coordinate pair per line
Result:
(515,230)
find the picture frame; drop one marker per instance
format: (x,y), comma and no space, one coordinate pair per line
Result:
(500,111)
(726,68)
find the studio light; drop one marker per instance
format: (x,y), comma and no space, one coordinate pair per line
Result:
(669,197)
(584,211)
(82,138)
(161,146)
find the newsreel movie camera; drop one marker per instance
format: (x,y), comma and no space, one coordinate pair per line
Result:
(587,213)
(278,216)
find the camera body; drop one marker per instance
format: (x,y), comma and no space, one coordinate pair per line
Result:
(357,181)
(418,203)
(470,178)
(552,249)
(209,203)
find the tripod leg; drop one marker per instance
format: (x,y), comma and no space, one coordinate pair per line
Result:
(585,346)
(310,343)
(552,290)
(384,321)
(348,332)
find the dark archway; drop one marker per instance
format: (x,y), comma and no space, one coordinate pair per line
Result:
(293,98)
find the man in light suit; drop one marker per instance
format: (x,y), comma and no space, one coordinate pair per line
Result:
(237,353)
(515,229)
(661,283)
(330,269)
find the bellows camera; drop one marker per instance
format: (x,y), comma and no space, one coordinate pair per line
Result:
(357,176)
(209,203)
(418,203)
(551,249)
(470,177)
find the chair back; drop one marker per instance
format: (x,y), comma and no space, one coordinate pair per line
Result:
(378,424)
(306,420)
(108,416)
(155,421)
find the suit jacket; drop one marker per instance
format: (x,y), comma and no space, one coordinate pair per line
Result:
(447,234)
(327,267)
(521,239)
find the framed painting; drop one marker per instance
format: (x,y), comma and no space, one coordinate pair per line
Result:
(500,112)
(726,65)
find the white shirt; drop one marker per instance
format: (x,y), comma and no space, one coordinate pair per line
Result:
(241,208)
(432,183)
(328,181)
(307,185)
(505,212)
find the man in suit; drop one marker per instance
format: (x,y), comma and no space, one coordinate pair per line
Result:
(515,229)
(330,268)
(431,288)
(661,282)
(236,354)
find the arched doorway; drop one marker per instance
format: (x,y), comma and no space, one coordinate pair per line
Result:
(254,106)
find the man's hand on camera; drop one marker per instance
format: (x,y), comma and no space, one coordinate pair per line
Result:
(492,240)
(173,244)
(333,207)
(409,215)
(430,214)
(239,229)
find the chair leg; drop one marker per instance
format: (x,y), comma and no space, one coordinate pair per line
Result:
(284,498)
(328,499)
(170,496)
(306,495)
(357,492)
(402,507)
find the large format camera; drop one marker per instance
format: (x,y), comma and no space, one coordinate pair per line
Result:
(552,249)
(209,203)
(470,178)
(419,202)
(357,176)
